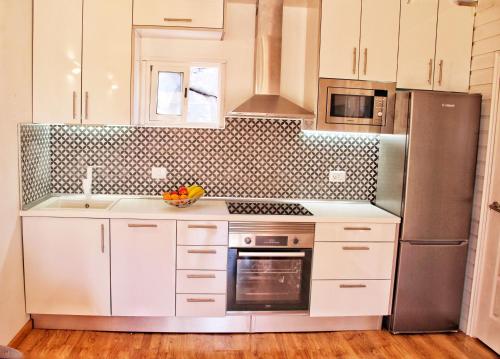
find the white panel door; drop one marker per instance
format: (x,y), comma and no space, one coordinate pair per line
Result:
(57,61)
(66,266)
(453,47)
(340,31)
(107,62)
(379,40)
(143,268)
(417,42)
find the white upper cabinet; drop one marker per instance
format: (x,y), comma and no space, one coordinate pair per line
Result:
(417,41)
(379,40)
(67,33)
(57,61)
(340,31)
(435,45)
(180,13)
(359,39)
(453,47)
(107,54)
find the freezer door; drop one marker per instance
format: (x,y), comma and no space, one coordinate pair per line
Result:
(443,137)
(429,285)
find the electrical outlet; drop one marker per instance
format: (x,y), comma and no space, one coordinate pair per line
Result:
(337,176)
(158,173)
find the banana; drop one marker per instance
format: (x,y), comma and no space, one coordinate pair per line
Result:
(195,191)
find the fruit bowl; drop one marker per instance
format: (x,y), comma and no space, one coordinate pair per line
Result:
(184,196)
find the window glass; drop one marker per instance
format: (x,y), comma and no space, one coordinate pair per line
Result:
(170,93)
(203,96)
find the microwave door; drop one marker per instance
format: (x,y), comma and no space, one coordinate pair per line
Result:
(348,106)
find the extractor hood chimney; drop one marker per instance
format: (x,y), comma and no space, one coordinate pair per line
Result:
(267,101)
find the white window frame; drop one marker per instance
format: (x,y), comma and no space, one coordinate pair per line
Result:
(149,95)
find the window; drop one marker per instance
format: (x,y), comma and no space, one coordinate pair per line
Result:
(184,95)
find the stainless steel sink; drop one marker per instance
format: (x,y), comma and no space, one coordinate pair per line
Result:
(80,204)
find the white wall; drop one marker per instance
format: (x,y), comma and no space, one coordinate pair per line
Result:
(15,107)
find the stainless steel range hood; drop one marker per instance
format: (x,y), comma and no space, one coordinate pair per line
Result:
(267,101)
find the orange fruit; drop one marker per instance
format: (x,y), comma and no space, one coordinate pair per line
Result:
(166,196)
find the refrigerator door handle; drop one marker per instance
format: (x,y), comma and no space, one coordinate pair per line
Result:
(436,243)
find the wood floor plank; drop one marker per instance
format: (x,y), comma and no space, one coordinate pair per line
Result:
(60,344)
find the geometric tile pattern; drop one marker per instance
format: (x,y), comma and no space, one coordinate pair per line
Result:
(250,158)
(35,162)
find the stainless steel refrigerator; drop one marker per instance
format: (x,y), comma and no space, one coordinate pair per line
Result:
(426,176)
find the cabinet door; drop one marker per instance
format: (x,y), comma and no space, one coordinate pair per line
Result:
(181,13)
(107,57)
(453,47)
(340,30)
(379,40)
(143,268)
(57,61)
(66,266)
(417,41)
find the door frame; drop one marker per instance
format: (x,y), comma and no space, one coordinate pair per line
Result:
(482,230)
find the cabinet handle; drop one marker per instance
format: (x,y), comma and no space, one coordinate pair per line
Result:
(201,276)
(202,226)
(86,105)
(353,248)
(132,225)
(440,82)
(177,19)
(357,229)
(200,300)
(354,56)
(202,251)
(352,286)
(102,238)
(429,79)
(366,62)
(74,105)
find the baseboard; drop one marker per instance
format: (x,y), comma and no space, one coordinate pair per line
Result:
(21,334)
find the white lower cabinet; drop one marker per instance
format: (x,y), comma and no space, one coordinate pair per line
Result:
(66,266)
(202,257)
(143,267)
(199,281)
(201,305)
(350,298)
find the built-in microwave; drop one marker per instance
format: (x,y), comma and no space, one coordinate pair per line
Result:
(356,106)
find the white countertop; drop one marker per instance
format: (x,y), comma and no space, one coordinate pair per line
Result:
(134,207)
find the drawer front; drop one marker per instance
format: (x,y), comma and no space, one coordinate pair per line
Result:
(202,257)
(353,260)
(343,298)
(201,305)
(183,13)
(189,281)
(202,233)
(355,232)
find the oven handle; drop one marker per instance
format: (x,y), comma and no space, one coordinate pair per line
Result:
(272,254)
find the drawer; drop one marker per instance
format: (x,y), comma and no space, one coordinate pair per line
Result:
(189,281)
(353,260)
(198,233)
(202,257)
(201,305)
(355,232)
(343,298)
(184,13)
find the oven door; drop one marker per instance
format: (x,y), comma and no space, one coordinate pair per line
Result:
(268,279)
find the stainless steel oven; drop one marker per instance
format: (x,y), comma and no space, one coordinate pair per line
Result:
(356,106)
(269,266)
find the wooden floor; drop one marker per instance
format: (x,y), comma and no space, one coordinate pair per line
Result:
(374,344)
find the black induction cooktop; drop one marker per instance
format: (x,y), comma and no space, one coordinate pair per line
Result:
(268,208)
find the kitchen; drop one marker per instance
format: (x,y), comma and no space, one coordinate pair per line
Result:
(250,178)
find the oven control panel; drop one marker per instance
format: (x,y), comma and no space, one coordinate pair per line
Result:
(246,240)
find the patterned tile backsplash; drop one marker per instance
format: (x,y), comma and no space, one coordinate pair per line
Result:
(249,158)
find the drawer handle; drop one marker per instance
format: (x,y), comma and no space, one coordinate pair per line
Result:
(346,248)
(177,19)
(133,225)
(202,251)
(352,286)
(202,226)
(201,276)
(200,300)
(357,229)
